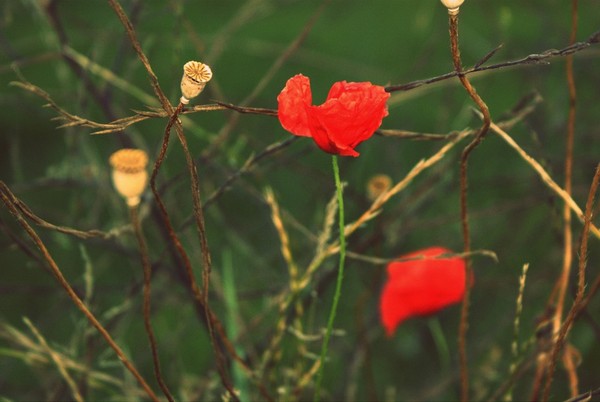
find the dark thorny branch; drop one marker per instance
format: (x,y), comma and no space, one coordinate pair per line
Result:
(147,268)
(57,273)
(535,58)
(71,120)
(117,125)
(586,396)
(579,297)
(479,136)
(562,282)
(195,189)
(24,209)
(265,79)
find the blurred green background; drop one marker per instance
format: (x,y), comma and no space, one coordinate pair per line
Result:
(63,175)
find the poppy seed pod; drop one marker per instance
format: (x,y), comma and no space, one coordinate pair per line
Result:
(129,173)
(195,77)
(378,185)
(452,5)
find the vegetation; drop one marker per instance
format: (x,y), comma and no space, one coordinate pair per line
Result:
(220,284)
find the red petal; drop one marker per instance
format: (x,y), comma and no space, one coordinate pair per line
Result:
(421,287)
(293,103)
(351,114)
(321,136)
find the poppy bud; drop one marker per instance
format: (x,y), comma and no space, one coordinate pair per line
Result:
(129,173)
(195,77)
(378,185)
(452,5)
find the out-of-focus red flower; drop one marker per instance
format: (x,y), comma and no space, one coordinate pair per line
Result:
(421,287)
(349,116)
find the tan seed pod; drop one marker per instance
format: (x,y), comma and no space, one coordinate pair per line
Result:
(452,5)
(195,77)
(378,185)
(129,173)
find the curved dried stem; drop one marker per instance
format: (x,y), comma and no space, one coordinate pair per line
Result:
(546,178)
(577,303)
(121,124)
(135,221)
(563,280)
(194,188)
(479,136)
(536,58)
(26,211)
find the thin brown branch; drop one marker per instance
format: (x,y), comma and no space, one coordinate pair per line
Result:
(73,295)
(121,124)
(135,221)
(577,303)
(212,320)
(265,79)
(570,359)
(585,397)
(411,135)
(384,261)
(248,110)
(116,6)
(195,189)
(563,280)
(51,9)
(115,126)
(546,178)
(464,214)
(246,168)
(422,165)
(26,211)
(536,58)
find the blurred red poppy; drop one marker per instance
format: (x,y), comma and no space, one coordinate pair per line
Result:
(421,287)
(349,116)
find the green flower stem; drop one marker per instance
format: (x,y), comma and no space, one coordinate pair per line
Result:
(441,344)
(340,277)
(233,330)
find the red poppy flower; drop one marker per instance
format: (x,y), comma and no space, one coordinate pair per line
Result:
(421,287)
(349,116)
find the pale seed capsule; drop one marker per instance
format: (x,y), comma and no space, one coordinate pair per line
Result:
(452,5)
(129,173)
(195,77)
(378,185)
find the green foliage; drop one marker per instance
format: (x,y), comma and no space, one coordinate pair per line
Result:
(63,176)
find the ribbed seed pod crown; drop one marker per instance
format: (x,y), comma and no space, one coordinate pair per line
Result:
(129,173)
(195,77)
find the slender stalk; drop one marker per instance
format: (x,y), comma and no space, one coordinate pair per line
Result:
(479,136)
(563,281)
(212,320)
(340,276)
(73,295)
(577,303)
(546,178)
(441,344)
(135,221)
(514,347)
(201,297)
(164,213)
